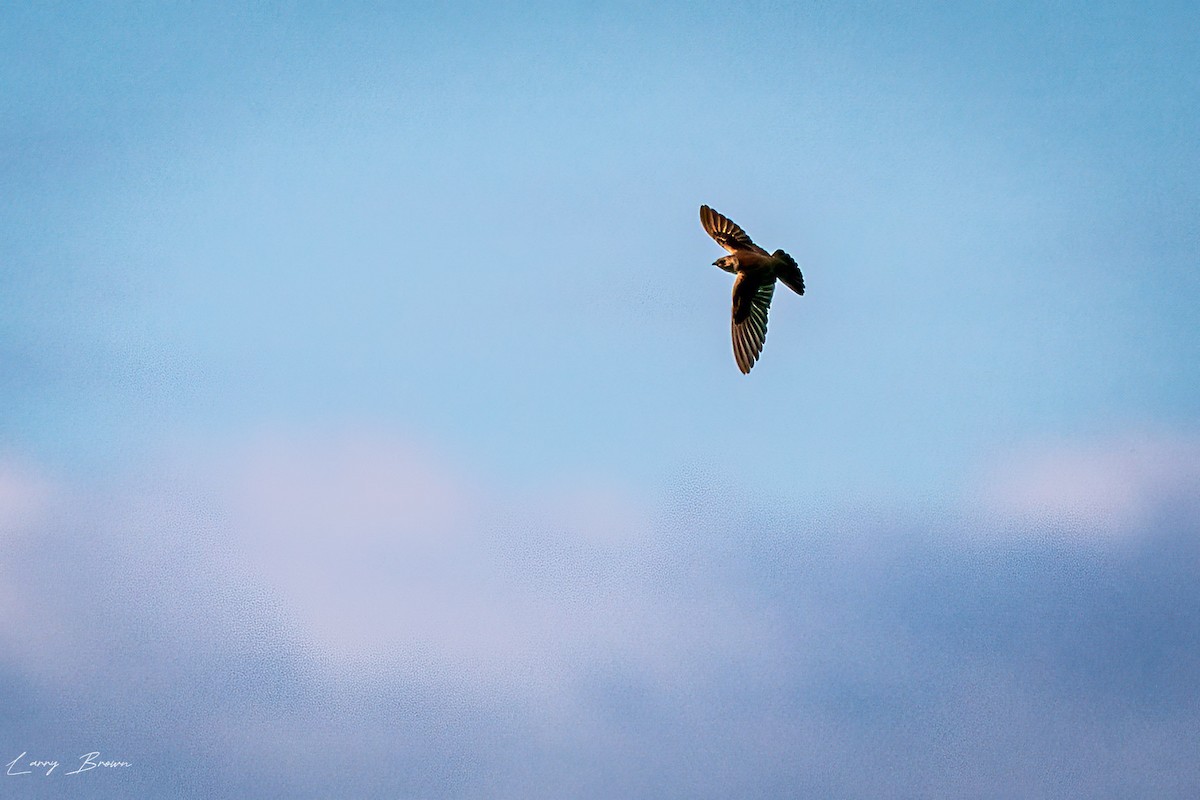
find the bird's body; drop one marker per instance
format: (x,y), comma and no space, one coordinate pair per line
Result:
(756,270)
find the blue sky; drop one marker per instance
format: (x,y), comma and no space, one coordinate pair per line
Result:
(396,325)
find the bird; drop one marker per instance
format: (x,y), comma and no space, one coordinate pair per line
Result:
(754,286)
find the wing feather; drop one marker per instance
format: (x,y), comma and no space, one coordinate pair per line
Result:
(751,303)
(726,232)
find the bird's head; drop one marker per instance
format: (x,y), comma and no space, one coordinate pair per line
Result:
(727,263)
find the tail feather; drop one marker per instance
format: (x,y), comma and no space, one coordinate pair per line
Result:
(790,274)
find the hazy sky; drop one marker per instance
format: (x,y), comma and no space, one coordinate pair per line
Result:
(370,424)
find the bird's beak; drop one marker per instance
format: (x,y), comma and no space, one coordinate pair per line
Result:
(717,263)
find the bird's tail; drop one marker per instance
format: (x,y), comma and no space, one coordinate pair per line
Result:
(790,274)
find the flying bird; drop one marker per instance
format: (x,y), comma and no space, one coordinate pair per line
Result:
(756,272)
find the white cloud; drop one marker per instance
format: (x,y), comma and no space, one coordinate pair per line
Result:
(384,554)
(1104,489)
(24,496)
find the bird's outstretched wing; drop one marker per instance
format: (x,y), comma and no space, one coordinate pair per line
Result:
(726,232)
(751,301)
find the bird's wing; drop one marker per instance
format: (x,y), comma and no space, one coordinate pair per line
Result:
(726,232)
(751,301)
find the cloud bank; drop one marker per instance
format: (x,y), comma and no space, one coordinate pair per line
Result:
(350,616)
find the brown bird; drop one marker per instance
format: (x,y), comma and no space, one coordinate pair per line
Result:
(756,272)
